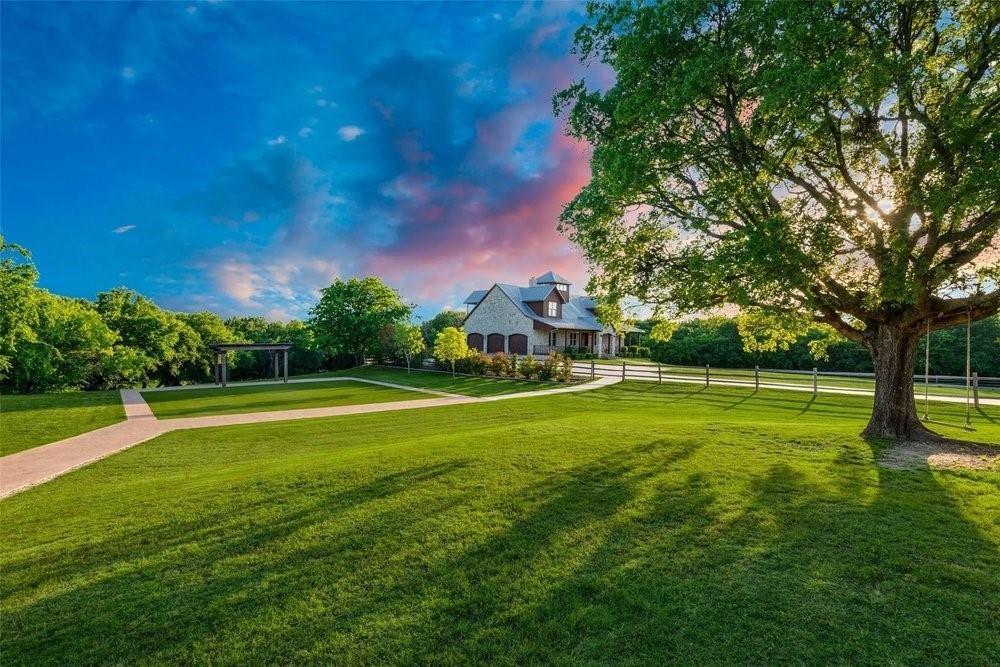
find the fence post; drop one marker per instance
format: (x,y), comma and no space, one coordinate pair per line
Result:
(659,374)
(706,375)
(975,389)
(756,378)
(815,381)
(591,369)
(623,370)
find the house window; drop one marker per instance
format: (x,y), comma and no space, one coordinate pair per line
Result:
(552,338)
(573,339)
(553,308)
(562,288)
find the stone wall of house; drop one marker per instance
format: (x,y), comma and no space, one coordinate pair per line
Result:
(497,314)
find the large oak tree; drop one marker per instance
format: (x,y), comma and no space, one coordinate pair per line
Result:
(825,161)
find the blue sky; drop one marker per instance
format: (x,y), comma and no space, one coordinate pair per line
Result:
(239,156)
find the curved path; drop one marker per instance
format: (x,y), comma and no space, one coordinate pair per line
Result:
(37,465)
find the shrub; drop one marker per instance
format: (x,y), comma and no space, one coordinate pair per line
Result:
(563,367)
(568,351)
(580,351)
(529,367)
(550,366)
(500,364)
(643,352)
(474,364)
(512,369)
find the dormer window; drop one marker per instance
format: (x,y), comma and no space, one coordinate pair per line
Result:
(553,308)
(562,288)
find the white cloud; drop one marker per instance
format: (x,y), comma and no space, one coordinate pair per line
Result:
(191,9)
(123,229)
(315,90)
(128,73)
(350,132)
(277,141)
(305,132)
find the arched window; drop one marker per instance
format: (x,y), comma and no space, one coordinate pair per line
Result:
(475,341)
(518,344)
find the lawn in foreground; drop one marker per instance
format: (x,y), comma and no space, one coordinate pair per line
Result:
(175,403)
(465,385)
(30,420)
(635,523)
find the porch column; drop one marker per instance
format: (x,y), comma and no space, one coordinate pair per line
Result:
(600,345)
(274,359)
(224,355)
(286,366)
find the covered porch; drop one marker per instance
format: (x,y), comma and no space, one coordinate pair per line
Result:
(581,340)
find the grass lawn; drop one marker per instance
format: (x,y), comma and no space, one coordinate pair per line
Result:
(29,420)
(635,523)
(175,403)
(468,386)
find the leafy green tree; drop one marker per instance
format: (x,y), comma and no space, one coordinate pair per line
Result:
(18,302)
(158,341)
(68,346)
(408,340)
(351,313)
(824,161)
(450,346)
(446,318)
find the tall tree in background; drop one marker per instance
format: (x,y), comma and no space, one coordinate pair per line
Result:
(440,322)
(351,314)
(824,161)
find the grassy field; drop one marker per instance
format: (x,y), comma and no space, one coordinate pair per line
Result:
(467,386)
(268,397)
(747,375)
(30,420)
(635,523)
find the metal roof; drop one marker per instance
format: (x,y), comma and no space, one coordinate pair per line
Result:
(551,277)
(577,312)
(475,297)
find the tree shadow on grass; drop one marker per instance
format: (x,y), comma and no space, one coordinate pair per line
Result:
(649,554)
(162,589)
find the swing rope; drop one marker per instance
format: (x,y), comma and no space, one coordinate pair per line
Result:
(968,369)
(927,370)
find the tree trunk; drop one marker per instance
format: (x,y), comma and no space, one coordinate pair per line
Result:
(894,413)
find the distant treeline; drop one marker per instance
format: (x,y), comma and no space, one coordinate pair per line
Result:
(120,339)
(716,341)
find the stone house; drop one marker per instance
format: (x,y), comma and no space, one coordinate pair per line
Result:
(543,317)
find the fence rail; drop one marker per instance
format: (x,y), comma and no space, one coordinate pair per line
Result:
(860,383)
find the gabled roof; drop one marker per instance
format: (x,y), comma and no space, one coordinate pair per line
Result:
(475,297)
(550,278)
(575,311)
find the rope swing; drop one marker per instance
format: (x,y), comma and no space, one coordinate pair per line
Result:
(927,370)
(968,369)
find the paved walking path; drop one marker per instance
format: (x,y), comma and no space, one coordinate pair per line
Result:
(40,464)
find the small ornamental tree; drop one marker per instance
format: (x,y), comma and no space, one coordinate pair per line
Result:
(450,346)
(409,341)
(827,162)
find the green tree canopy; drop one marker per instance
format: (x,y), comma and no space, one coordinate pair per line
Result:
(450,345)
(351,314)
(446,318)
(824,161)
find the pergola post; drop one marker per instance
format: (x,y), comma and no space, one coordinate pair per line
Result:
(274,359)
(286,366)
(223,367)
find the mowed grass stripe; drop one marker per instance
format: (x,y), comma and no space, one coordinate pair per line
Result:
(634,523)
(30,420)
(266,398)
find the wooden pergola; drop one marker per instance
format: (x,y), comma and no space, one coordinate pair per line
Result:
(278,351)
